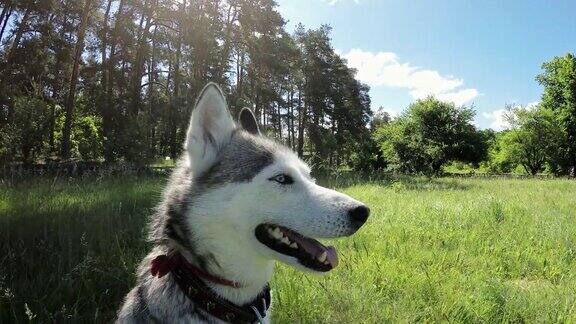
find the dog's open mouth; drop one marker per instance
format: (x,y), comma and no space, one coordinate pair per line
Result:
(309,252)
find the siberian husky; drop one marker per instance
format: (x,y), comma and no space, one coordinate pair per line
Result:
(236,203)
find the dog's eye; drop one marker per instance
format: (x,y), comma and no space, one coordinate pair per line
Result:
(283,179)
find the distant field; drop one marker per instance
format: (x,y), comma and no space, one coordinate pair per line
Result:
(440,250)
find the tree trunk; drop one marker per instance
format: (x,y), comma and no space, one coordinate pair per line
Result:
(292,130)
(5,10)
(257,109)
(4,17)
(279,122)
(107,116)
(175,101)
(290,119)
(301,124)
(5,23)
(104,47)
(332,149)
(138,67)
(240,81)
(19,34)
(3,99)
(264,116)
(69,106)
(151,101)
(230,19)
(56,88)
(104,107)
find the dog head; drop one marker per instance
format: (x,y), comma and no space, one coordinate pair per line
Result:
(256,197)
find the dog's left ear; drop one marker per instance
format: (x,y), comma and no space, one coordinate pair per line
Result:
(211,128)
(248,121)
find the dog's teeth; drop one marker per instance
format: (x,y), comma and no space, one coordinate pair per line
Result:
(285,240)
(322,257)
(276,233)
(294,245)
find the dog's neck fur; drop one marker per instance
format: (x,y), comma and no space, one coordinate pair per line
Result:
(230,257)
(252,275)
(226,255)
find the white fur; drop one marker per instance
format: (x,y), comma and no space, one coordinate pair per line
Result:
(210,119)
(223,219)
(226,218)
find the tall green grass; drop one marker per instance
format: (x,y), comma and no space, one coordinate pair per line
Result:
(439,250)
(68,249)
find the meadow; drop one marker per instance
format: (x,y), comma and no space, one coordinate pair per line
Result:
(434,250)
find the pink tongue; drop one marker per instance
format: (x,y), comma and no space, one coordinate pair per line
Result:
(315,249)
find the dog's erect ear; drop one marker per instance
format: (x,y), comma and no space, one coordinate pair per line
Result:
(248,121)
(211,127)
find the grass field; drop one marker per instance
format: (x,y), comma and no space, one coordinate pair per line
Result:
(440,250)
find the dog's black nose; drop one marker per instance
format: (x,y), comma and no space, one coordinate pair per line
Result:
(359,214)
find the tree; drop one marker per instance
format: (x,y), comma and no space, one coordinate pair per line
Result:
(428,135)
(335,106)
(559,97)
(69,107)
(127,74)
(381,118)
(501,154)
(532,140)
(23,136)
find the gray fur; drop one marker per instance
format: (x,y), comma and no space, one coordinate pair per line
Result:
(159,300)
(219,154)
(239,161)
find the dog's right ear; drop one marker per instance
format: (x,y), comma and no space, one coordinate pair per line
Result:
(211,127)
(248,121)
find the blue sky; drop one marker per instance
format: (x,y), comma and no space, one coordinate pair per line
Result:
(485,53)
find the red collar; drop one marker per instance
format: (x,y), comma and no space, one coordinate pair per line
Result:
(188,279)
(163,264)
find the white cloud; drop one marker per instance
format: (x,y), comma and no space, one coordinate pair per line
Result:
(459,97)
(533,105)
(384,69)
(392,112)
(497,117)
(498,121)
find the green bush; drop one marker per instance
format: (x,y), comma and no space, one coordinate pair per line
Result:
(87,138)
(22,139)
(430,134)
